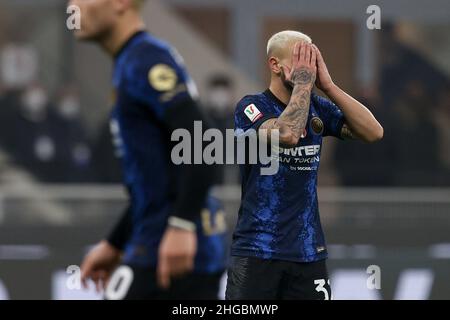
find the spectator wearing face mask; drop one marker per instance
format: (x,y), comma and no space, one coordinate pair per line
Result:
(47,138)
(220,109)
(71,137)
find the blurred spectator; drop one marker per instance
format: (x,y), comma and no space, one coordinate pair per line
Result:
(106,164)
(360,164)
(441,118)
(220,103)
(18,65)
(45,138)
(71,136)
(412,104)
(416,160)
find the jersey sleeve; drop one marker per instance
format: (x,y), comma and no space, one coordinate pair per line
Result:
(250,113)
(331,115)
(157,78)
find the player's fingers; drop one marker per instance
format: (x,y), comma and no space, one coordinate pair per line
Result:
(286,71)
(313,57)
(189,264)
(106,279)
(318,53)
(102,276)
(163,273)
(302,51)
(181,265)
(86,270)
(98,285)
(176,266)
(94,278)
(84,282)
(296,54)
(308,53)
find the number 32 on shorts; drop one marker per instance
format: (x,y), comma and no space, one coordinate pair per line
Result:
(320,287)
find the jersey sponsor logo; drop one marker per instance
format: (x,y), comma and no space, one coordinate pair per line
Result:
(162,77)
(252,112)
(310,150)
(302,158)
(317,126)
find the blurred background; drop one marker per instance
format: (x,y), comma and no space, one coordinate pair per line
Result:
(386,204)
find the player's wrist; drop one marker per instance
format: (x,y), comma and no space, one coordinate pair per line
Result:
(181,224)
(303,85)
(108,245)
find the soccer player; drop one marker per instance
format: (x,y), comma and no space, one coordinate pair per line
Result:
(170,241)
(278,249)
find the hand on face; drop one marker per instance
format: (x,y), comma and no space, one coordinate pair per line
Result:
(323,81)
(303,68)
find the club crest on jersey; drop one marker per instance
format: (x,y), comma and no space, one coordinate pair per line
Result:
(252,112)
(316,125)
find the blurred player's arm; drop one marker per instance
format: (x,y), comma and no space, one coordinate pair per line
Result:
(179,243)
(360,123)
(159,81)
(171,96)
(292,122)
(102,260)
(121,232)
(195,179)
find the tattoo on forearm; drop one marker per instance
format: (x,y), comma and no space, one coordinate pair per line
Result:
(292,122)
(346,133)
(296,113)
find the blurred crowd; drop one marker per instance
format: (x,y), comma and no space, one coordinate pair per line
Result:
(412,101)
(43,133)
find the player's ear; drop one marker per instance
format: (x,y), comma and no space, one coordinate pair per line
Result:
(274,65)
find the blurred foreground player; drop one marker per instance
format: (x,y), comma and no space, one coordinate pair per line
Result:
(278,249)
(171,239)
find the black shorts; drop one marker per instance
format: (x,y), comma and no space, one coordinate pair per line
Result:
(137,283)
(253,278)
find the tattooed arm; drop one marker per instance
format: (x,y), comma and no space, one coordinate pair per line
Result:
(292,122)
(360,122)
(347,133)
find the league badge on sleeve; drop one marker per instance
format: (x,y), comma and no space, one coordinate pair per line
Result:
(162,77)
(252,112)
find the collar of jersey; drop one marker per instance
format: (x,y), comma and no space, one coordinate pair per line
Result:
(271,96)
(128,42)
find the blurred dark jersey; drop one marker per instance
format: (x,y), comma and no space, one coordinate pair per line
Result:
(279,215)
(148,78)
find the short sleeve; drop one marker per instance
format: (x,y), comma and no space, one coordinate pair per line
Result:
(331,115)
(251,113)
(157,78)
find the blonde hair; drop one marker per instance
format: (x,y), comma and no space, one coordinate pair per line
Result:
(278,43)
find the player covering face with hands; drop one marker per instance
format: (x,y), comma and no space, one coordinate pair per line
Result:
(169,243)
(278,247)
